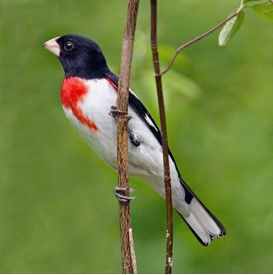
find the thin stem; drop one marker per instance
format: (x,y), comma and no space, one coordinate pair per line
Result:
(198,38)
(167,179)
(128,264)
(132,247)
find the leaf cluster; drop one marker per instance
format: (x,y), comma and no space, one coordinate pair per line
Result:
(263,8)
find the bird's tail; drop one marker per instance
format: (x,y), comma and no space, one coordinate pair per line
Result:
(201,221)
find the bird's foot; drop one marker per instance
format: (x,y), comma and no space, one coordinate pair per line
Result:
(115,112)
(120,194)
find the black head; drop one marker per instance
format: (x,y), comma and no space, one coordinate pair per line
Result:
(79,56)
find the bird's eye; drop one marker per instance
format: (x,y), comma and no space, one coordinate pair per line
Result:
(68,46)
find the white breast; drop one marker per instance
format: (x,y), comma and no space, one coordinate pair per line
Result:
(96,105)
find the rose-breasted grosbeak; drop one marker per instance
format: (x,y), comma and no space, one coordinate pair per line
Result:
(89,91)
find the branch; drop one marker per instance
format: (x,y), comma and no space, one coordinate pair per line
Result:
(127,247)
(167,179)
(198,38)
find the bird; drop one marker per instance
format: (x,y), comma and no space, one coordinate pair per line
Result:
(88,94)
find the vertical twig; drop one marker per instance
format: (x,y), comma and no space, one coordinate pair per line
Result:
(132,250)
(167,179)
(122,136)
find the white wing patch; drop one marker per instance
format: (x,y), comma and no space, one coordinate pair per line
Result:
(149,121)
(133,93)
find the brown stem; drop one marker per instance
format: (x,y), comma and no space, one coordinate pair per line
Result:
(167,179)
(128,265)
(182,47)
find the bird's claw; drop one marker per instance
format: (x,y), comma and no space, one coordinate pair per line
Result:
(115,112)
(119,193)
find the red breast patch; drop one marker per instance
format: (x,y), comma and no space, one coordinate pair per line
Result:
(73,91)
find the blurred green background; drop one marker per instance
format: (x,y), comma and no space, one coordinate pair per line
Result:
(58,213)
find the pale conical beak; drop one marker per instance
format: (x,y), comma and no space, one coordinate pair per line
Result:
(52,46)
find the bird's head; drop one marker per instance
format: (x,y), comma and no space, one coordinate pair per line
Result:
(80,56)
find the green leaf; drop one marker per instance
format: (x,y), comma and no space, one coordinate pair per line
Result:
(251,3)
(265,11)
(230,29)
